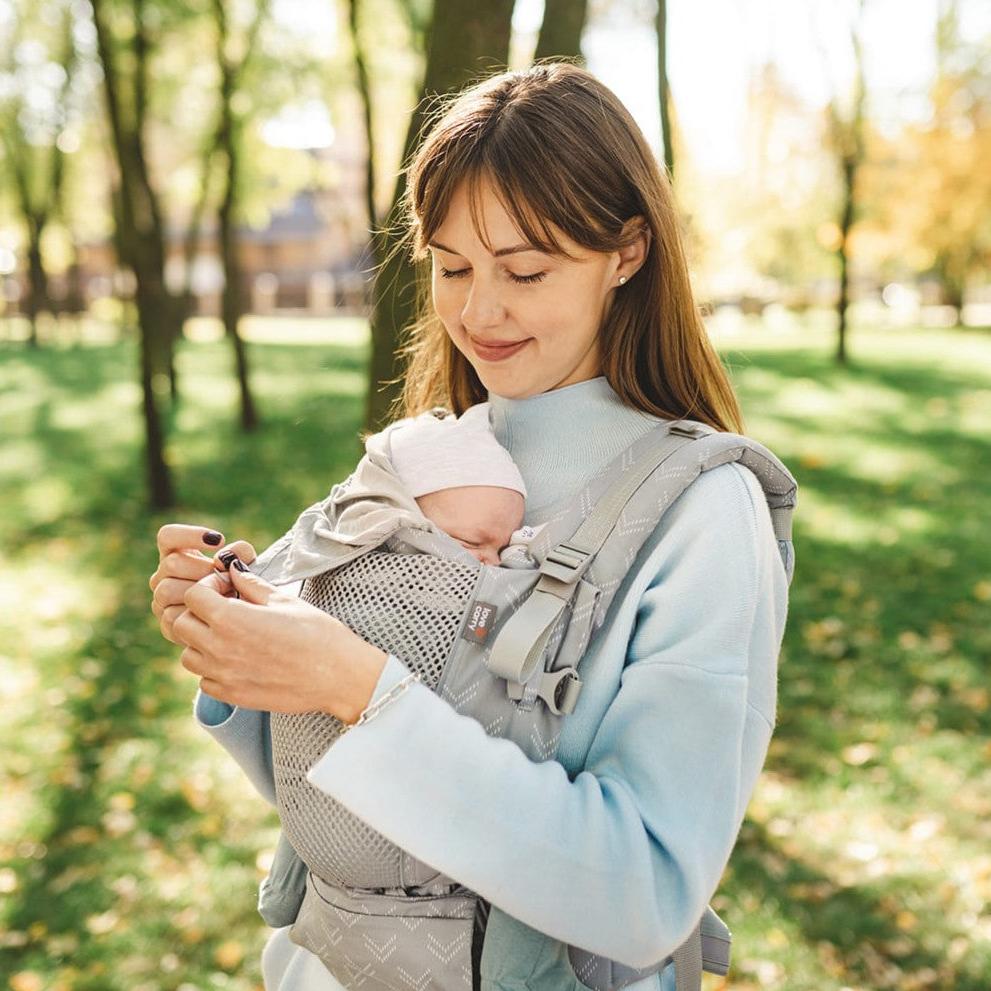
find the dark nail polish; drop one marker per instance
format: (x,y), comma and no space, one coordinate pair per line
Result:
(239,564)
(226,558)
(212,538)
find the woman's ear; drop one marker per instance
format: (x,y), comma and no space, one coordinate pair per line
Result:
(633,254)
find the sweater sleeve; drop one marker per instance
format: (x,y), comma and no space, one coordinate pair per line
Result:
(622,859)
(246,734)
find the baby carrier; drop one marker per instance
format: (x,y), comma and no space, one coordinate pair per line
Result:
(503,645)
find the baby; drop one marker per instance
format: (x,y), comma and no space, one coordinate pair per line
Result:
(465,481)
(451,468)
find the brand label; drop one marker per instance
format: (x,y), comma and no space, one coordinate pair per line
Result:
(481,618)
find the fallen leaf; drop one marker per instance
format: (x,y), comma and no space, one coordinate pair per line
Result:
(26,980)
(229,955)
(859,753)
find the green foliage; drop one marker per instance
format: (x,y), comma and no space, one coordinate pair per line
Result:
(864,856)
(132,847)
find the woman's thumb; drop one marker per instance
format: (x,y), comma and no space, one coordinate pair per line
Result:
(249,586)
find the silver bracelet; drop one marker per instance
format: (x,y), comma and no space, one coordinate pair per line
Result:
(371,711)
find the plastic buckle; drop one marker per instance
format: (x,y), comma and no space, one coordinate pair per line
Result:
(682,430)
(566,563)
(560,690)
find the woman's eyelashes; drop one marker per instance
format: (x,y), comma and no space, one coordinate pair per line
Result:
(524,279)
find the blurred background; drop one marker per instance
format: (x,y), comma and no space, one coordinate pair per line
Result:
(197,198)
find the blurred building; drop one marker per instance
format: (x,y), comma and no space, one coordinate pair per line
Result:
(312,257)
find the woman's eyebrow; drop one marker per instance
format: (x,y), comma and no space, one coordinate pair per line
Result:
(496,254)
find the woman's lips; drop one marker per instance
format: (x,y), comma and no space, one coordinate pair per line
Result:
(498,353)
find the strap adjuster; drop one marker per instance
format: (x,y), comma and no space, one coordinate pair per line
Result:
(559,690)
(683,430)
(565,562)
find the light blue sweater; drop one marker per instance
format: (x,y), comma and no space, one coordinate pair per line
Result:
(617,845)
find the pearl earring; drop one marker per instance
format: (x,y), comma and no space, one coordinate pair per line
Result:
(622,279)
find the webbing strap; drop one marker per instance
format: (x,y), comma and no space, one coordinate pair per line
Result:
(592,534)
(520,644)
(688,962)
(559,690)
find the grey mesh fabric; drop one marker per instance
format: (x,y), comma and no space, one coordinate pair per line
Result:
(382,596)
(501,645)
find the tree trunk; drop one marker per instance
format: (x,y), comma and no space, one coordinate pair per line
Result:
(462,35)
(848,137)
(663,89)
(140,240)
(561,30)
(233,297)
(365,92)
(846,222)
(228,143)
(37,299)
(951,283)
(154,325)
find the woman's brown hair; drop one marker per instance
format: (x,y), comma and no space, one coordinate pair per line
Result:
(561,149)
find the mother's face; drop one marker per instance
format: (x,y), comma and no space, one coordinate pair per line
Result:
(552,307)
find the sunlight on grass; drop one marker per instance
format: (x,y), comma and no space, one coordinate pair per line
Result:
(132,846)
(98,411)
(22,459)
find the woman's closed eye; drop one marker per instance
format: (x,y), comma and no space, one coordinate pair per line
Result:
(524,279)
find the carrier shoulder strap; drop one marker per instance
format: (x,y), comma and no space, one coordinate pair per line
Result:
(706,948)
(685,449)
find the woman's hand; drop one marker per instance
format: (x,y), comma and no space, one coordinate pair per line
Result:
(271,650)
(181,564)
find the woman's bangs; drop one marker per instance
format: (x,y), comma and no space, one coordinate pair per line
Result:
(527,215)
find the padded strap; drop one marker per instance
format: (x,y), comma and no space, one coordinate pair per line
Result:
(592,534)
(520,643)
(519,646)
(688,962)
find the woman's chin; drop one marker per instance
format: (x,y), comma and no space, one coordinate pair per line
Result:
(508,384)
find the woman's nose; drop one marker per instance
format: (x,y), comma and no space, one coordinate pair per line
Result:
(482,309)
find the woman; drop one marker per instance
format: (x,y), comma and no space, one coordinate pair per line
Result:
(560,294)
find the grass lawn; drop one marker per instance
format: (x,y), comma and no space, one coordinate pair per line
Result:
(131,847)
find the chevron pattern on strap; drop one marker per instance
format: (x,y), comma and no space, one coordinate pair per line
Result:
(520,644)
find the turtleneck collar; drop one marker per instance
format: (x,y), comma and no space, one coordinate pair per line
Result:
(561,438)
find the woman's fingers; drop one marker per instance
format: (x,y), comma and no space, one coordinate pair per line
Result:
(190,630)
(170,592)
(181,563)
(166,622)
(186,565)
(177,536)
(241,548)
(192,660)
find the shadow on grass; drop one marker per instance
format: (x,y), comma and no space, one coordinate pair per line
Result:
(118,759)
(857,922)
(308,441)
(881,632)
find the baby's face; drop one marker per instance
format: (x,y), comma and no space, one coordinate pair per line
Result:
(481,517)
